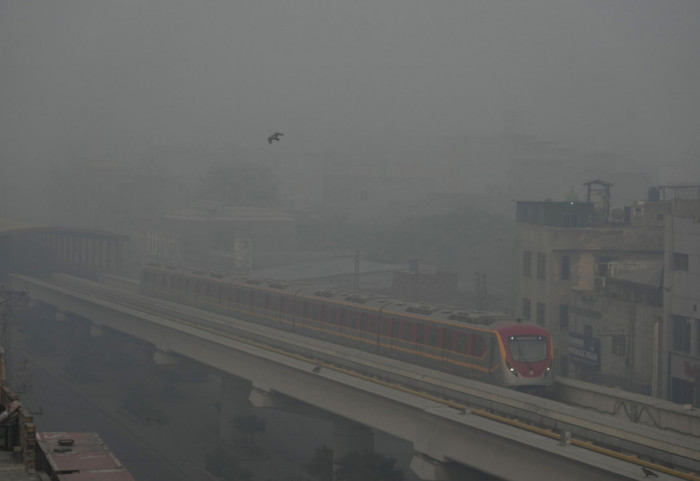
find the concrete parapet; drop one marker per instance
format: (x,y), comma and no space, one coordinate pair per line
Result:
(629,406)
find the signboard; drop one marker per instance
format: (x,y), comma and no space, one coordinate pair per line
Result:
(584,350)
(685,367)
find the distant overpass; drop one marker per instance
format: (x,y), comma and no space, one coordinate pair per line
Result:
(39,249)
(444,434)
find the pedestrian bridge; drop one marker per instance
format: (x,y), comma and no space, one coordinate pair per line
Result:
(367,391)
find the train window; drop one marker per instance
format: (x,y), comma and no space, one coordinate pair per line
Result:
(353,319)
(334,316)
(447,339)
(314,311)
(282,304)
(306,309)
(420,333)
(259,299)
(324,314)
(432,336)
(395,325)
(372,324)
(479,346)
(343,317)
(461,343)
(385,327)
(406,329)
(363,321)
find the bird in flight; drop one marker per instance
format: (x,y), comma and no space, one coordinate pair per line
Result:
(649,472)
(276,136)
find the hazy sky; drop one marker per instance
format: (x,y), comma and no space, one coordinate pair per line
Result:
(111,78)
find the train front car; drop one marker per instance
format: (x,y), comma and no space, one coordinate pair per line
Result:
(528,352)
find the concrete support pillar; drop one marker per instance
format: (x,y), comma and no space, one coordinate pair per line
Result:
(349,437)
(234,403)
(429,469)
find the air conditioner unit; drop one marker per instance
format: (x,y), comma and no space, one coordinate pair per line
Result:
(599,282)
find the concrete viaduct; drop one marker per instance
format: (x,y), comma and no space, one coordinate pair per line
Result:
(444,437)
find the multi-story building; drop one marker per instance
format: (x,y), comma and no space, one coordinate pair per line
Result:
(619,291)
(565,250)
(613,329)
(681,332)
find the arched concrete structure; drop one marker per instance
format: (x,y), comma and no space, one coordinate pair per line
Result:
(31,249)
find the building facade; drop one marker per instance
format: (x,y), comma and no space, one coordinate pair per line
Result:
(565,253)
(681,333)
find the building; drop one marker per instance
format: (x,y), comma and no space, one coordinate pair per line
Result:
(565,251)
(208,233)
(613,328)
(618,288)
(681,333)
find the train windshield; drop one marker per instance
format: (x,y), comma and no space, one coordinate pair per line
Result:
(528,348)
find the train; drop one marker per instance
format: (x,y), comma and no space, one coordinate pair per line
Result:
(488,347)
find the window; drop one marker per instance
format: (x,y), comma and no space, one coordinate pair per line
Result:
(680,262)
(681,334)
(420,334)
(565,268)
(526,309)
(540,267)
(406,331)
(432,336)
(385,327)
(353,319)
(563,316)
(478,345)
(619,346)
(527,264)
(461,343)
(447,339)
(540,313)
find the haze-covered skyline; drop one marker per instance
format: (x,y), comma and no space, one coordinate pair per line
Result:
(115,79)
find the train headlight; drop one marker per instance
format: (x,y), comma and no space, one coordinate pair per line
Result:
(548,370)
(511,369)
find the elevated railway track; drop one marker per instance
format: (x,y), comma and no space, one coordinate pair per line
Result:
(664,451)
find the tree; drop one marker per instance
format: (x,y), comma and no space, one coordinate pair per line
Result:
(365,466)
(240,184)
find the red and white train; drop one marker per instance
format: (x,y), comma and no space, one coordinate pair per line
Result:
(484,346)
